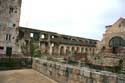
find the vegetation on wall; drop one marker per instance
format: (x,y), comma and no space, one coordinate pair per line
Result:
(35,51)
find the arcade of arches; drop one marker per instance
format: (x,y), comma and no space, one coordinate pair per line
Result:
(70,50)
(56,44)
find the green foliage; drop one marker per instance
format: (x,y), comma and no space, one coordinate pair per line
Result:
(32,49)
(72,62)
(119,67)
(35,52)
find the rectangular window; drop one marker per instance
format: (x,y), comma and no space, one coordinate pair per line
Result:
(11,10)
(8,51)
(8,37)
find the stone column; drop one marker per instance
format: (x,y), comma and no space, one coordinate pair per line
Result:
(59,50)
(50,48)
(64,50)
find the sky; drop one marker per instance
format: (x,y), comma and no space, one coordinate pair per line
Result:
(83,18)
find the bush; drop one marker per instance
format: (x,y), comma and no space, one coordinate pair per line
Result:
(37,53)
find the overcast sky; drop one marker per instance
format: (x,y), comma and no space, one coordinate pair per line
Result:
(84,18)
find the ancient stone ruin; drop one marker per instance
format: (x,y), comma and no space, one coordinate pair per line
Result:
(104,60)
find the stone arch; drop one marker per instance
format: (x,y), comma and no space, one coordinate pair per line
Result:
(90,49)
(77,49)
(67,51)
(82,50)
(86,50)
(73,50)
(62,50)
(115,43)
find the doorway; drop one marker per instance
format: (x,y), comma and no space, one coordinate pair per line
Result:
(9,51)
(114,50)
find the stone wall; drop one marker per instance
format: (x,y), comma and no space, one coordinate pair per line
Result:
(52,43)
(9,23)
(64,73)
(111,49)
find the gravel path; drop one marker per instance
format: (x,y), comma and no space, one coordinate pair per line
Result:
(23,76)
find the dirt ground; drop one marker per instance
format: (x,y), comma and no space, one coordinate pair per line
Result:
(23,76)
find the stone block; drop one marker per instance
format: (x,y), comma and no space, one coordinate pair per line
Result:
(87,73)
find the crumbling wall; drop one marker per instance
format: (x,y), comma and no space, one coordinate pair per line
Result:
(52,43)
(64,73)
(111,50)
(9,23)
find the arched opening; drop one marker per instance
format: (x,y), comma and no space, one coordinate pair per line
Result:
(73,50)
(103,49)
(77,50)
(67,51)
(89,49)
(82,50)
(62,50)
(86,50)
(115,43)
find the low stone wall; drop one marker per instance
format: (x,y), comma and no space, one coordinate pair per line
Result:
(64,73)
(7,63)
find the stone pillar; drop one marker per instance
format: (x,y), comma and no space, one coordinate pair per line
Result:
(82,49)
(50,48)
(79,50)
(65,50)
(58,50)
(55,49)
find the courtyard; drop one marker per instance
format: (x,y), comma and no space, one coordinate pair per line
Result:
(23,76)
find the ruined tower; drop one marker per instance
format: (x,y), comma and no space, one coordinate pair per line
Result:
(9,23)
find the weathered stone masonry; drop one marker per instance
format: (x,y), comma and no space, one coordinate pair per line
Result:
(9,23)
(111,50)
(64,73)
(55,44)
(15,40)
